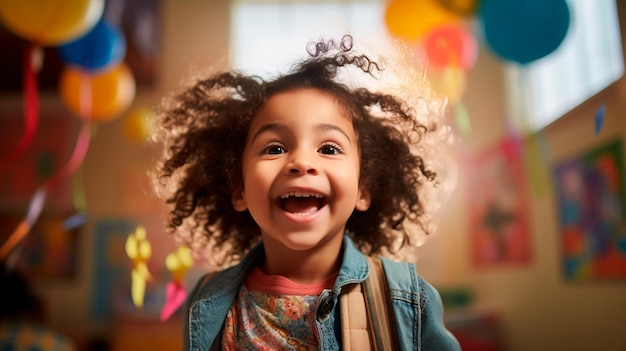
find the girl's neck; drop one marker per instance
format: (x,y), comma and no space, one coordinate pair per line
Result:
(305,267)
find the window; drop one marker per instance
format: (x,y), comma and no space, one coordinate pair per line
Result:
(589,60)
(267,36)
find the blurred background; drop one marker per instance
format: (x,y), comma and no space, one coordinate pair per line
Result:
(530,251)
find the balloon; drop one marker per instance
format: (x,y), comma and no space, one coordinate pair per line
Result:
(524,31)
(411,19)
(137,124)
(50,22)
(98,96)
(464,8)
(452,44)
(103,46)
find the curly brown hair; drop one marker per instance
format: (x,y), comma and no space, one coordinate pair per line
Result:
(204,128)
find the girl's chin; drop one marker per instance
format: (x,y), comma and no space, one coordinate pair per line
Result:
(302,241)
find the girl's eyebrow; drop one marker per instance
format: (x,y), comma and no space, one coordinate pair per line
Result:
(326,126)
(279,126)
(267,127)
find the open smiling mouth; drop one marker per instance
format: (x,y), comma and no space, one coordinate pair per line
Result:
(302,203)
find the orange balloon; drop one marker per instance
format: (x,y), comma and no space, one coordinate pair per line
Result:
(99,96)
(411,19)
(50,22)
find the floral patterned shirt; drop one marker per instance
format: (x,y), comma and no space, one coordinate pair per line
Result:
(273,313)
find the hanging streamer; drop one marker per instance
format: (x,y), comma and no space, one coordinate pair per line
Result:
(34,209)
(74,221)
(461,117)
(599,118)
(78,191)
(38,199)
(31,64)
(80,151)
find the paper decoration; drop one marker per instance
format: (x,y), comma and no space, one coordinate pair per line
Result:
(178,263)
(139,251)
(599,118)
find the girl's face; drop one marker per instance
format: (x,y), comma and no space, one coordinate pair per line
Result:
(301,171)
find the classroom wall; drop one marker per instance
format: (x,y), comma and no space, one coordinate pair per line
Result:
(538,309)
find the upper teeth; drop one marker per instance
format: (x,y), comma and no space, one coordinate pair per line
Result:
(301,194)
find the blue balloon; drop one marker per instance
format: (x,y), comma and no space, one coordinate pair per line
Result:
(103,46)
(523,31)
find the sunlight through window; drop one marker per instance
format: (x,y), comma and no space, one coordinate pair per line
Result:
(588,61)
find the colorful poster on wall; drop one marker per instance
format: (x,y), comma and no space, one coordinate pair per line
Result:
(498,205)
(591,201)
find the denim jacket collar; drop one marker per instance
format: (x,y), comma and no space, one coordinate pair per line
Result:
(354,266)
(354,269)
(215,299)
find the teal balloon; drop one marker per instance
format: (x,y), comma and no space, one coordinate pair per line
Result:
(524,31)
(103,46)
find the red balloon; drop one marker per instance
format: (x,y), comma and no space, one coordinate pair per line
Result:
(452,44)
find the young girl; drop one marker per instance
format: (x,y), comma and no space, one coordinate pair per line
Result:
(295,179)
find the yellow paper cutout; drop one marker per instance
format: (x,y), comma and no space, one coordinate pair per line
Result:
(139,251)
(179,262)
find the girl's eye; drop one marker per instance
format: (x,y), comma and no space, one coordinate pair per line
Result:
(274,150)
(330,149)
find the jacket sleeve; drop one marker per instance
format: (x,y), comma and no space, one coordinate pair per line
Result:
(433,333)
(187,306)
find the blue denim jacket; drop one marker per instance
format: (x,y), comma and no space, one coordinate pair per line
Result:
(416,304)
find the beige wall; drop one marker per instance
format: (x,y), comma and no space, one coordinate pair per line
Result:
(540,310)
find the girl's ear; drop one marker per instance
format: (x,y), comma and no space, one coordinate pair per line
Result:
(364,200)
(238,199)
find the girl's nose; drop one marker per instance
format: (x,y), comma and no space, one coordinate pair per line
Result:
(302,162)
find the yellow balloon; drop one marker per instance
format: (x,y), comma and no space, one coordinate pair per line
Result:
(99,96)
(50,22)
(138,123)
(411,19)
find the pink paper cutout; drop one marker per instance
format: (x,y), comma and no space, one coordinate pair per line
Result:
(175,296)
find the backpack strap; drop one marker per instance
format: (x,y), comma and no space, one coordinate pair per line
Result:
(354,322)
(380,311)
(367,319)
